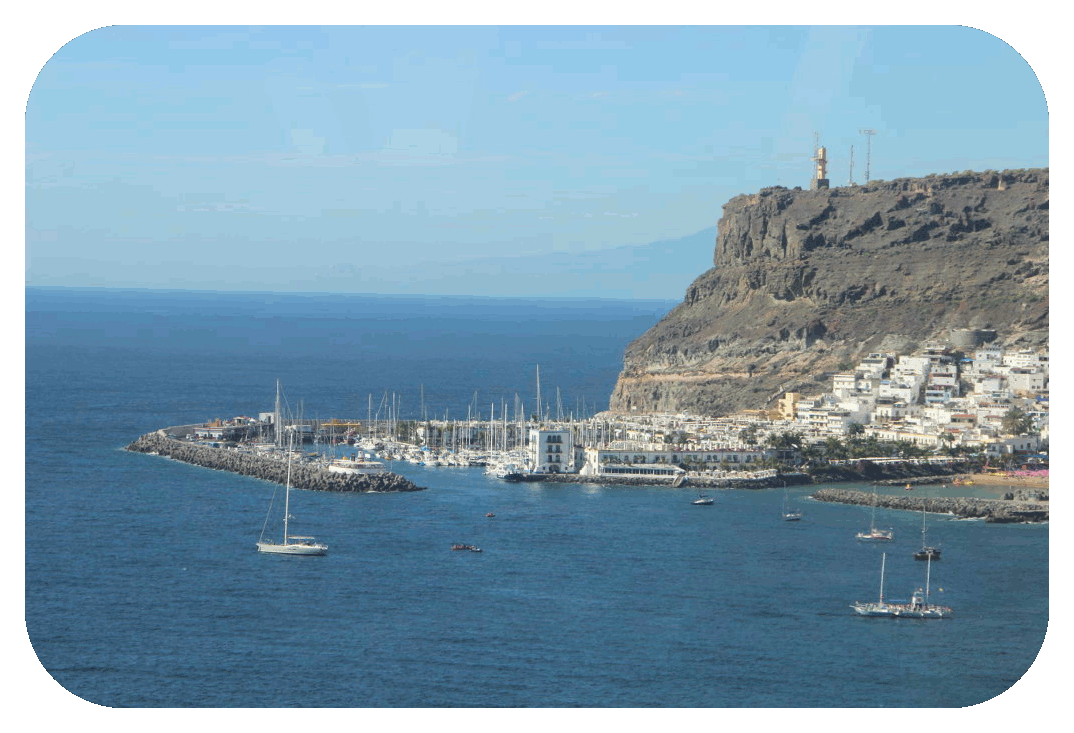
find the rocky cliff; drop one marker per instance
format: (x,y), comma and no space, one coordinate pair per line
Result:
(807,282)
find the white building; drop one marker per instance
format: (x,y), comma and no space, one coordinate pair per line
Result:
(551,451)
(902,390)
(987,358)
(1025,381)
(602,460)
(874,365)
(844,385)
(1024,359)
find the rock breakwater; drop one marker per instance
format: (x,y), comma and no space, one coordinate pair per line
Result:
(991,510)
(691,482)
(303,476)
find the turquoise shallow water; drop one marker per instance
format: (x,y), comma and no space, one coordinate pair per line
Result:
(596,596)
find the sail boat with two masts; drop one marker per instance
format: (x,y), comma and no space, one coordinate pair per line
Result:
(291,544)
(918,607)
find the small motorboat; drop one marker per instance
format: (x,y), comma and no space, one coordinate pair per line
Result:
(475,549)
(490,515)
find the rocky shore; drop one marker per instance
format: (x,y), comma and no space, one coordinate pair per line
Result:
(303,476)
(991,510)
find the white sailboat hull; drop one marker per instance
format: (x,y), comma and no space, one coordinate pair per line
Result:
(292,548)
(901,610)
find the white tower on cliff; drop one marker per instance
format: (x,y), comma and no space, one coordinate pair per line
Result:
(820,173)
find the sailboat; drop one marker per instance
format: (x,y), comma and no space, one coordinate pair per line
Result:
(789,516)
(918,607)
(291,545)
(926,552)
(874,534)
(702,499)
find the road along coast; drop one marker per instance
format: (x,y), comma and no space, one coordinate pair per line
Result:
(991,510)
(303,476)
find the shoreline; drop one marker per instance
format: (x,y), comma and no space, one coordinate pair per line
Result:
(997,511)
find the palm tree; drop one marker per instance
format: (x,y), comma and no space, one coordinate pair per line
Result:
(834,448)
(1017,422)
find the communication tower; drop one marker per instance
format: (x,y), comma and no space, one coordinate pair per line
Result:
(850,180)
(868,148)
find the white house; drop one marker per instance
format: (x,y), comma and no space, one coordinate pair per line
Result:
(551,451)
(874,365)
(1025,381)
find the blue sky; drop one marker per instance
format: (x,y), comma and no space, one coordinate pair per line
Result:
(525,160)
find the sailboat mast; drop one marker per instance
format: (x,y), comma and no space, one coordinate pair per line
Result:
(538,395)
(276,415)
(928,577)
(883,559)
(287,492)
(922,525)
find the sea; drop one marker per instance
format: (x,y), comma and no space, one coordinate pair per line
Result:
(143,587)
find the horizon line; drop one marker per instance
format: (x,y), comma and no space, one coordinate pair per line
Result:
(192,291)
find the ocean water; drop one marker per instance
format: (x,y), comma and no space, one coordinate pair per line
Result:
(143,587)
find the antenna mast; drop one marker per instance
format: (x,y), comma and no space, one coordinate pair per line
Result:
(868,132)
(850,180)
(538,395)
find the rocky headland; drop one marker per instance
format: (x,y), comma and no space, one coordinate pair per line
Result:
(805,283)
(303,476)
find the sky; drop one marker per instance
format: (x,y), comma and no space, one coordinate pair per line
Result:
(582,161)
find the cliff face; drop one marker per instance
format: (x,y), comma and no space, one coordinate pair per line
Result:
(807,282)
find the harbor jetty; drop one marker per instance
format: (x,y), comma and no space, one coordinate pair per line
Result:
(266,467)
(690,480)
(1005,510)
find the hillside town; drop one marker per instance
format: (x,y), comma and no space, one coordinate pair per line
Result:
(991,400)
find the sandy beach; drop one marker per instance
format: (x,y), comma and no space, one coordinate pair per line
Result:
(988,479)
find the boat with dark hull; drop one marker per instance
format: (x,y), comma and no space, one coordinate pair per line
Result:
(927,552)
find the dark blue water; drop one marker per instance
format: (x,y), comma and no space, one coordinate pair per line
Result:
(143,587)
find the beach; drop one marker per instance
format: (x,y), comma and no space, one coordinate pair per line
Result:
(993,479)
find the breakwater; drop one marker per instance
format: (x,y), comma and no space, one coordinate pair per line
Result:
(691,481)
(991,510)
(303,476)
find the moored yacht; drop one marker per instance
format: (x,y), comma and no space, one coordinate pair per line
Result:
(354,465)
(875,534)
(507,472)
(292,544)
(927,552)
(918,607)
